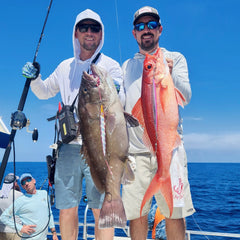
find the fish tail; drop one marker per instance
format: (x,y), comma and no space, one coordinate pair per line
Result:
(162,184)
(112,214)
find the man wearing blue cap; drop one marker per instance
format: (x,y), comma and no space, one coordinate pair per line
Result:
(33,209)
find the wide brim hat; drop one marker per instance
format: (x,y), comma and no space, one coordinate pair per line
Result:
(10,178)
(8,184)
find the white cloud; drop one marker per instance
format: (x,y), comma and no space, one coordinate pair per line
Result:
(225,141)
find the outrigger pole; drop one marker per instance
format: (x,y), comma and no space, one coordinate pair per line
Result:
(18,118)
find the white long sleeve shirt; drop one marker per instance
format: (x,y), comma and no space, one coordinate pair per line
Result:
(4,204)
(66,78)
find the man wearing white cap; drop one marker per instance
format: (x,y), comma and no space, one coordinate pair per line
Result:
(147,30)
(9,186)
(71,167)
(33,209)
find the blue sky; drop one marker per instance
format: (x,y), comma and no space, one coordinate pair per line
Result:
(206,32)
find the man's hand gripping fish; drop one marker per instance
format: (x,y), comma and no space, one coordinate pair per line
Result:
(157,112)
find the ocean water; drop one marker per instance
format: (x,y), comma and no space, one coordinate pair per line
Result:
(216,196)
(215,192)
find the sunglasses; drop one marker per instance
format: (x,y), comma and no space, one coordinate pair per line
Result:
(25,180)
(93,27)
(151,25)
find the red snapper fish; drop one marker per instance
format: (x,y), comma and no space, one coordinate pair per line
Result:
(157,112)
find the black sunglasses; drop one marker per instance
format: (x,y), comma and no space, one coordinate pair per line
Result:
(151,25)
(84,28)
(27,179)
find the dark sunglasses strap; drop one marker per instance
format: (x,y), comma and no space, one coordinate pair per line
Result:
(94,60)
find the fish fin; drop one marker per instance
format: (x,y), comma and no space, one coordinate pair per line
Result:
(128,172)
(131,120)
(138,113)
(180,98)
(162,184)
(112,213)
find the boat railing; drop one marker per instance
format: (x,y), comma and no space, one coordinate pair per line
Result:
(189,233)
(126,232)
(215,234)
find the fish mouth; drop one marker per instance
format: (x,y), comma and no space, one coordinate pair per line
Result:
(92,79)
(94,70)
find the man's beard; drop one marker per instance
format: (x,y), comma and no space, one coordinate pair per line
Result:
(149,44)
(90,47)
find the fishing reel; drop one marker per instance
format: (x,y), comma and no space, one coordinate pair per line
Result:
(19,121)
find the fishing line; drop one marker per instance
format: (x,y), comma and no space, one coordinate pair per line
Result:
(13,132)
(43,183)
(118,30)
(199,227)
(41,35)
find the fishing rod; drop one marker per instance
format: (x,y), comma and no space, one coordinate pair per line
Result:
(18,118)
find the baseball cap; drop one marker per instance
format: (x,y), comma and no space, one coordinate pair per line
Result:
(10,178)
(146,11)
(25,175)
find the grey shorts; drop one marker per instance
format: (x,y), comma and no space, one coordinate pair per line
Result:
(70,171)
(146,167)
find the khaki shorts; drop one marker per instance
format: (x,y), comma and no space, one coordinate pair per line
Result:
(9,236)
(146,167)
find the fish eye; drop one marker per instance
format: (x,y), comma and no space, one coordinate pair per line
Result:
(85,90)
(148,66)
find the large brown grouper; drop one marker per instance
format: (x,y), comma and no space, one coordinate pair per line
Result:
(105,142)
